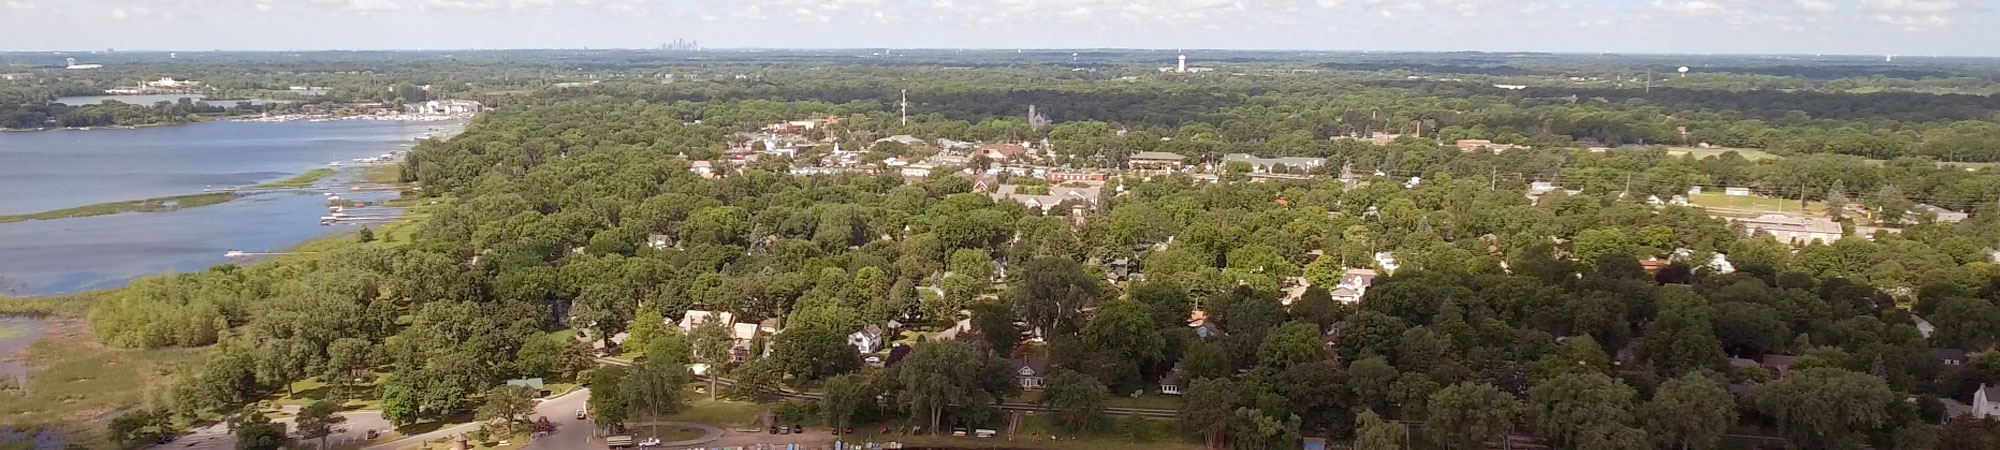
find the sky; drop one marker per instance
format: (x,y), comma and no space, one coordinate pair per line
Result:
(1861,27)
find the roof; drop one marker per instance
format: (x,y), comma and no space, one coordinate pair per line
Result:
(1992,395)
(1314,443)
(1158,156)
(1173,377)
(1791,223)
(1008,150)
(743,331)
(1949,354)
(1290,161)
(1037,366)
(1742,363)
(531,383)
(695,317)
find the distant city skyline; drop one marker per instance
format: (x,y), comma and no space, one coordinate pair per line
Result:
(1860,27)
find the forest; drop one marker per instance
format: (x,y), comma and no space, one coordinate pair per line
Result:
(1501,316)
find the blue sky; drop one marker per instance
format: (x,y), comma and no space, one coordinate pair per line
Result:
(1904,27)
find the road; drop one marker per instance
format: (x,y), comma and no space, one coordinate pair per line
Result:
(570,433)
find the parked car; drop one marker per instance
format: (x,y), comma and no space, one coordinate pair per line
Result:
(796,429)
(580,415)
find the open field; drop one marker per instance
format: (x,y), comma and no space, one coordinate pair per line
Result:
(78,383)
(161,204)
(297,181)
(1759,155)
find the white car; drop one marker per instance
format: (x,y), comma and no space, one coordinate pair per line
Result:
(650,442)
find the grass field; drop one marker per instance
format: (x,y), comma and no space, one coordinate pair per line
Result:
(161,204)
(723,412)
(383,174)
(78,382)
(303,180)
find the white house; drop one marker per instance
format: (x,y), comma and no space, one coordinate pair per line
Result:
(868,340)
(1353,285)
(1986,402)
(1030,371)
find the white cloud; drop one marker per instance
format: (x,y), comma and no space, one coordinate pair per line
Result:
(119,13)
(1912,6)
(263,6)
(1914,15)
(1818,6)
(22,5)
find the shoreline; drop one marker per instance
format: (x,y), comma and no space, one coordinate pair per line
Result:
(146,205)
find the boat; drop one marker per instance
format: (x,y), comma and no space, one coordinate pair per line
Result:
(233,254)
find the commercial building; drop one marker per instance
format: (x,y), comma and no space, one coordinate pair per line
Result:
(1794,230)
(1156,161)
(1287,164)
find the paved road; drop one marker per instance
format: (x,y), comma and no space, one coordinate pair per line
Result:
(561,410)
(570,433)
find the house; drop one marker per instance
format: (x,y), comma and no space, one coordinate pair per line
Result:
(918,170)
(1949,356)
(1652,265)
(1001,152)
(1483,147)
(742,336)
(1353,284)
(695,317)
(904,139)
(948,144)
(703,168)
(450,107)
(1030,371)
(1986,402)
(801,126)
(1942,215)
(868,340)
(1794,230)
(1264,165)
(1062,177)
(1171,383)
(1736,191)
(1779,365)
(1924,327)
(1156,161)
(534,385)
(659,241)
(1383,139)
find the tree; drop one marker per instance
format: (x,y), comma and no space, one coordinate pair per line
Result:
(1568,407)
(994,323)
(1251,429)
(1050,292)
(1689,413)
(365,235)
(1370,379)
(1836,201)
(972,262)
(1118,342)
(941,376)
(1294,344)
(507,406)
(315,421)
(1595,244)
(140,427)
(1077,398)
(257,432)
(812,352)
(1466,415)
(655,385)
(1208,405)
(712,345)
(609,404)
(1825,407)
(647,326)
(846,395)
(1372,433)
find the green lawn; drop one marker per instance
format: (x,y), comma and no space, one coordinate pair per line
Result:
(721,412)
(1039,432)
(299,181)
(162,204)
(383,174)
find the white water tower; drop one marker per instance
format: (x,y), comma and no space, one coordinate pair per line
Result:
(1684,71)
(1182,67)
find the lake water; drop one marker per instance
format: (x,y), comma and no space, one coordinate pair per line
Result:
(149,99)
(41,171)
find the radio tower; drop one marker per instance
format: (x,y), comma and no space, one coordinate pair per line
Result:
(905,103)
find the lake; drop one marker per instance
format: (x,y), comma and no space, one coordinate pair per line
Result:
(41,171)
(150,99)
